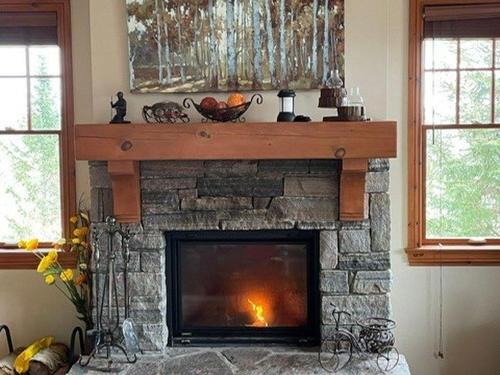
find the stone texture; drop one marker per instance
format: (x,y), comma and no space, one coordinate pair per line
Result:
(203,363)
(283,167)
(240,186)
(202,220)
(368,262)
(304,209)
(146,316)
(152,336)
(217,203)
(166,198)
(187,193)
(311,186)
(380,215)
(252,220)
(360,306)
(377,165)
(161,184)
(354,241)
(168,168)
(151,262)
(377,182)
(334,282)
(243,358)
(316,225)
(101,204)
(145,284)
(261,202)
(237,361)
(327,167)
(372,282)
(99,176)
(328,249)
(148,240)
(230,168)
(159,208)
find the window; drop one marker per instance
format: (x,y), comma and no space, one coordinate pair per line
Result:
(454,133)
(36,137)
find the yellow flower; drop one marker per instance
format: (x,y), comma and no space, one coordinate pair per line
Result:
(29,245)
(50,279)
(66,275)
(47,261)
(32,244)
(81,232)
(74,219)
(75,241)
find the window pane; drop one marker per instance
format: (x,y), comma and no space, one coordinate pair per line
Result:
(497,57)
(44,60)
(475,97)
(440,53)
(45,103)
(476,53)
(463,183)
(440,89)
(13,103)
(497,96)
(12,61)
(30,194)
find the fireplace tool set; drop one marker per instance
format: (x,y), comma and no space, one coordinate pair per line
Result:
(107,335)
(370,336)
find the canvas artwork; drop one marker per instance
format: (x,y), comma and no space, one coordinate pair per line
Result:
(214,45)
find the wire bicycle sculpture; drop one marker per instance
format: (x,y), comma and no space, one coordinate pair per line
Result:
(367,336)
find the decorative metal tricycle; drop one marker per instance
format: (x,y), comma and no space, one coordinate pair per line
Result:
(370,336)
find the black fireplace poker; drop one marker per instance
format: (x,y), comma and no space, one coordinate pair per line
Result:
(107,335)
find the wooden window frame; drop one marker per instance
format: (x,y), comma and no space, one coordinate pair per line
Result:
(419,250)
(10,256)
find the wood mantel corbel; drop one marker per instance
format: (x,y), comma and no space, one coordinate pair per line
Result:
(353,200)
(124,146)
(125,179)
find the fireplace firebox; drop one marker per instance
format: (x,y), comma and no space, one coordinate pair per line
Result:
(243,287)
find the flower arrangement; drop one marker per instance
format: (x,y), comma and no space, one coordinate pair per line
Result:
(76,288)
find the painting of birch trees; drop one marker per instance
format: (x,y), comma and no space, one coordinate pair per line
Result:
(213,45)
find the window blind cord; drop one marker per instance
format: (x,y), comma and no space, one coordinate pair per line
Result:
(441,325)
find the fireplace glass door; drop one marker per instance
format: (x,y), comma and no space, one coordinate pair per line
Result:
(243,286)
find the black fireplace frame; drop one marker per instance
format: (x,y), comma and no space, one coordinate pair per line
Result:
(179,335)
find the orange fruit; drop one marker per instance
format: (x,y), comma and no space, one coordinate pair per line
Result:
(235,100)
(208,103)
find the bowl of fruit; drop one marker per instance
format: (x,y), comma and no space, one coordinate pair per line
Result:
(223,111)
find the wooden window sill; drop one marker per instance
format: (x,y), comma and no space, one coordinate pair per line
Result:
(454,255)
(23,260)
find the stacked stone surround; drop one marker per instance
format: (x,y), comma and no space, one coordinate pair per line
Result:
(254,195)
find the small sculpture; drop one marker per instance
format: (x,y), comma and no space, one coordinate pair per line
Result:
(164,112)
(120,106)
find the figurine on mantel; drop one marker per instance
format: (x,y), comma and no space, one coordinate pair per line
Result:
(120,106)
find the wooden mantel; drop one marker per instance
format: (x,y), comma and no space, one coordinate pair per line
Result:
(123,146)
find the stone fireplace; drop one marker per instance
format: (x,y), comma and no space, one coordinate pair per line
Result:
(251,207)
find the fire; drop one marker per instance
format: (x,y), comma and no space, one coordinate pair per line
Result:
(259,314)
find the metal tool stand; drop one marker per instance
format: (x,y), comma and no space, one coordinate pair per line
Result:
(107,335)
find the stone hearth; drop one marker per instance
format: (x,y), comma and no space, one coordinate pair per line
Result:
(238,361)
(254,195)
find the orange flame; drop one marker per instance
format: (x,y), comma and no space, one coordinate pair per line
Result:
(259,314)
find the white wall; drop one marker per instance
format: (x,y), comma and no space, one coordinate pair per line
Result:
(376,60)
